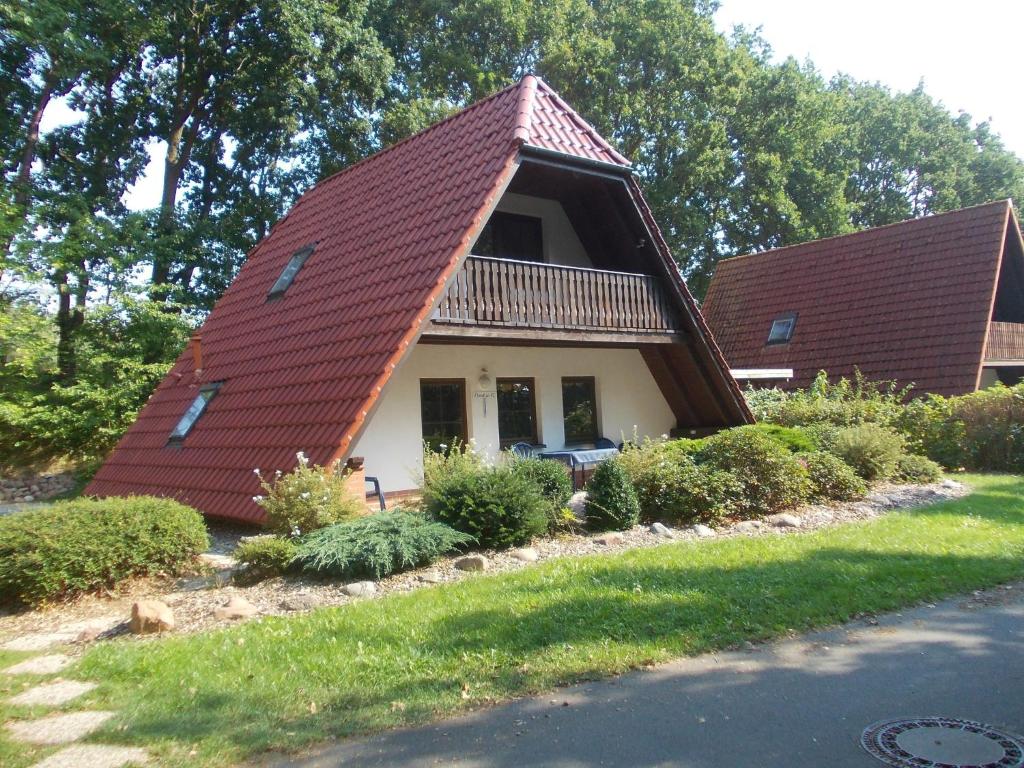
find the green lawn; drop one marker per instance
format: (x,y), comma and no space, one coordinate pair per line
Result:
(287,682)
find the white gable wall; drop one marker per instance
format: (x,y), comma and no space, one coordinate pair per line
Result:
(627,396)
(561,244)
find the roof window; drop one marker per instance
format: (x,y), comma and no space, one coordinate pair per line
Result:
(185,424)
(782,329)
(290,271)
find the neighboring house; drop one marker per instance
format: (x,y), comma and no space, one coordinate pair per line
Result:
(936,302)
(497,278)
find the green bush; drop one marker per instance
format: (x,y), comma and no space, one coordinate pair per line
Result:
(832,478)
(611,501)
(872,450)
(266,556)
(672,489)
(912,468)
(551,477)
(307,498)
(377,545)
(456,461)
(495,506)
(794,438)
(78,546)
(770,476)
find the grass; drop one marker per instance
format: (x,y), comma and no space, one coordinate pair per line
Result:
(281,683)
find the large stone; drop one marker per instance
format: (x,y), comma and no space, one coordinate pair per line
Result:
(360,589)
(39,641)
(658,529)
(235,608)
(95,756)
(53,694)
(952,485)
(525,554)
(472,563)
(299,602)
(433,576)
(218,562)
(785,520)
(608,539)
(704,531)
(58,729)
(747,526)
(151,616)
(40,665)
(577,504)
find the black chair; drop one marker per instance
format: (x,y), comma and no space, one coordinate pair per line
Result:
(522,450)
(603,442)
(376,490)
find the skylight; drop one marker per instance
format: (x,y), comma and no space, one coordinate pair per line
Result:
(290,271)
(194,411)
(782,329)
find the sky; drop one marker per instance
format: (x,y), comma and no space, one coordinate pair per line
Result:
(964,50)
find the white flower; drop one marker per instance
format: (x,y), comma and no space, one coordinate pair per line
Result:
(257,499)
(277,473)
(442,446)
(256,471)
(296,532)
(304,495)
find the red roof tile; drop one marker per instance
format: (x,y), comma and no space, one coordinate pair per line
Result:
(909,301)
(300,373)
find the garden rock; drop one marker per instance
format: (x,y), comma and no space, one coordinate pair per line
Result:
(525,554)
(432,576)
(39,641)
(299,602)
(703,531)
(472,563)
(659,529)
(608,539)
(952,485)
(40,665)
(235,608)
(360,589)
(95,756)
(58,729)
(150,616)
(53,694)
(785,520)
(747,526)
(577,504)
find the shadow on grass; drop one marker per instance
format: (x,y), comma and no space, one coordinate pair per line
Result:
(406,659)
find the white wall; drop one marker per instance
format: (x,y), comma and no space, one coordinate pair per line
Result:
(627,395)
(561,244)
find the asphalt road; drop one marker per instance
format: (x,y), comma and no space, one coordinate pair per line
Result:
(800,703)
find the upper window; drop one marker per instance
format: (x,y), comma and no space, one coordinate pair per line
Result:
(579,409)
(512,236)
(517,412)
(782,329)
(290,271)
(195,410)
(443,412)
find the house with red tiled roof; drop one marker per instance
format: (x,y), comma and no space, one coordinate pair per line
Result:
(937,302)
(497,277)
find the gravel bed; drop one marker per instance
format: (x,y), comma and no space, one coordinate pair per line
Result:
(194,599)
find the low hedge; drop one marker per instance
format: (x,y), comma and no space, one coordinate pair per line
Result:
(84,545)
(611,500)
(266,556)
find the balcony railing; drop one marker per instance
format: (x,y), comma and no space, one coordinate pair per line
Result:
(1005,342)
(500,292)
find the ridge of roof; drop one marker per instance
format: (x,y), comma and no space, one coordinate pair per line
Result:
(1006,202)
(583,124)
(524,109)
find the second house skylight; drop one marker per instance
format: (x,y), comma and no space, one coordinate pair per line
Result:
(290,271)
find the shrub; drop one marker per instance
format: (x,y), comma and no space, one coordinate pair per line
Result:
(873,451)
(832,478)
(83,545)
(456,460)
(495,506)
(844,403)
(266,556)
(551,477)
(770,476)
(307,498)
(917,469)
(673,489)
(611,501)
(793,438)
(377,545)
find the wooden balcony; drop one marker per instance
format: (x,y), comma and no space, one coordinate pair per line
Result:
(1005,343)
(499,295)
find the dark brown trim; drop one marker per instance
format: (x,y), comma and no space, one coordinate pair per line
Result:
(450,333)
(464,437)
(534,438)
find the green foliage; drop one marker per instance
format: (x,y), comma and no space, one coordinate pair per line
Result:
(377,545)
(982,430)
(843,403)
(495,506)
(832,478)
(307,498)
(458,460)
(80,546)
(772,479)
(872,450)
(611,501)
(917,469)
(552,477)
(266,556)
(794,438)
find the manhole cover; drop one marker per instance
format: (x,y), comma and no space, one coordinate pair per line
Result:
(942,742)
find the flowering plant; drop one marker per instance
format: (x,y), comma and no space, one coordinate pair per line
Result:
(307,498)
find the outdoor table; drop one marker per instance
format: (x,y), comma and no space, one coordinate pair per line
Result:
(579,459)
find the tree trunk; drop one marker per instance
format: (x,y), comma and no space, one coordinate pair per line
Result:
(70,317)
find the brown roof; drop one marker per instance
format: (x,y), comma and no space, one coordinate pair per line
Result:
(302,373)
(908,301)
